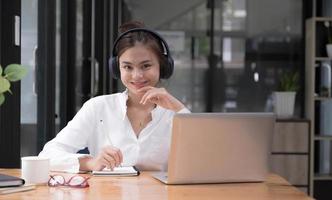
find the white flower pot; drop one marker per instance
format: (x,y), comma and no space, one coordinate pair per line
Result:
(329,50)
(284,104)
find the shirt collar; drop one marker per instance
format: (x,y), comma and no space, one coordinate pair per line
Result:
(123,103)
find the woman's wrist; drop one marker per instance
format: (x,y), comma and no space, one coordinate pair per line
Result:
(85,163)
(178,106)
(184,110)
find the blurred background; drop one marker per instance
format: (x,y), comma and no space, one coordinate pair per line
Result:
(229,54)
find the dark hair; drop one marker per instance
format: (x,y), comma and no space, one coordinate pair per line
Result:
(143,37)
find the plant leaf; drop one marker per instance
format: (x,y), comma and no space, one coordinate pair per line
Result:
(15,72)
(1,70)
(4,85)
(2,98)
(289,82)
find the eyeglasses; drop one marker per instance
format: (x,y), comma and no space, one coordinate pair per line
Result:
(74,181)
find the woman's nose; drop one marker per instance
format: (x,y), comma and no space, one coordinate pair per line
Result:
(138,73)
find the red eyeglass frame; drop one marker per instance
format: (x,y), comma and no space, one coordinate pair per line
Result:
(84,183)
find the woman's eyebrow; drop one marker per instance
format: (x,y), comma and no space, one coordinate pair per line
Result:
(126,62)
(145,61)
(142,62)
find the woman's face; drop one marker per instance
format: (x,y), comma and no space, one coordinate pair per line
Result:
(139,67)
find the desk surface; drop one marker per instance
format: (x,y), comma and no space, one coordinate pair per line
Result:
(145,187)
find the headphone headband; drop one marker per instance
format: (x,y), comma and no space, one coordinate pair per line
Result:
(153,33)
(166,69)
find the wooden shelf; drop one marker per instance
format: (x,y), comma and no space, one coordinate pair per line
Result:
(323,59)
(322,19)
(292,119)
(312,58)
(323,177)
(323,137)
(290,152)
(323,98)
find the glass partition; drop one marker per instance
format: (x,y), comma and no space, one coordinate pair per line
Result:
(254,43)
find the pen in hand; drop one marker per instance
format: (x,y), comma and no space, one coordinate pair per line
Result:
(112,151)
(116,155)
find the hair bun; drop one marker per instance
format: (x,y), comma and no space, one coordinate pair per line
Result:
(130,25)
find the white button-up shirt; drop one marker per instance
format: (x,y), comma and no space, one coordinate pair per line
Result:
(103,121)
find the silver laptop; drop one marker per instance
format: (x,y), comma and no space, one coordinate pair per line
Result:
(219,148)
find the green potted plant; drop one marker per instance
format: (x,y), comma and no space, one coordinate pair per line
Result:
(328,26)
(285,96)
(12,73)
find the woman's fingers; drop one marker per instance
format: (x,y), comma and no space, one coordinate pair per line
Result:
(146,91)
(161,97)
(108,159)
(105,163)
(152,94)
(113,156)
(120,157)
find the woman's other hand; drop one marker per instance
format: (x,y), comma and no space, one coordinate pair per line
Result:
(109,157)
(161,97)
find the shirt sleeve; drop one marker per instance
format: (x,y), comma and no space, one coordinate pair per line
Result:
(184,110)
(62,150)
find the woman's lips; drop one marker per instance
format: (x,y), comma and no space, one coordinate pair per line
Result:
(139,84)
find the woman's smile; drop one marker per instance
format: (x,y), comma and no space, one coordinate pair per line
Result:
(139,84)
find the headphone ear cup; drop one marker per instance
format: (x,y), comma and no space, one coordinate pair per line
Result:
(115,71)
(168,69)
(171,66)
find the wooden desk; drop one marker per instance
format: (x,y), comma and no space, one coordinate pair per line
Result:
(145,187)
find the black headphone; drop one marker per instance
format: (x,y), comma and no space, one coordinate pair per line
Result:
(165,71)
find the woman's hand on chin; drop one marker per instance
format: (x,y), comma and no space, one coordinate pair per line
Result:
(161,97)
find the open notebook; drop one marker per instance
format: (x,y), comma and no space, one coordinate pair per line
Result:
(117,171)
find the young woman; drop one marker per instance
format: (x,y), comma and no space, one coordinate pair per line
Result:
(132,128)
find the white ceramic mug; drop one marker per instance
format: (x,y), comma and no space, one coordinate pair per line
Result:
(35,169)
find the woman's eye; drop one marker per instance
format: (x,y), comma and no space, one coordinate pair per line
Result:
(127,67)
(146,66)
